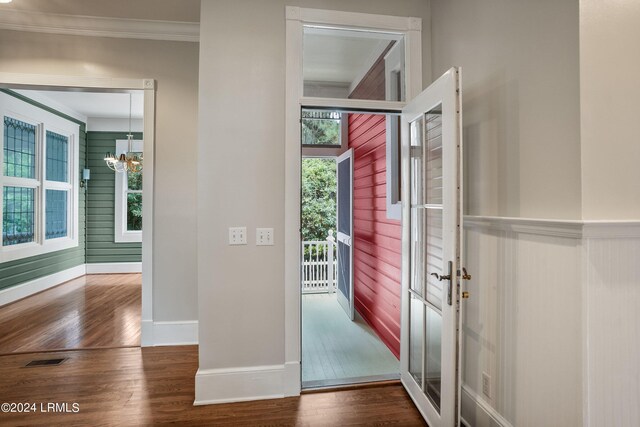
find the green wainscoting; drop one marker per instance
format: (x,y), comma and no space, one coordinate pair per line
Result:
(13,273)
(100,203)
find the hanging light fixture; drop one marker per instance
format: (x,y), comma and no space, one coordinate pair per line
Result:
(126,162)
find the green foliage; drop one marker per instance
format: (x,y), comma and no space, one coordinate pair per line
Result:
(318,198)
(320,132)
(134,211)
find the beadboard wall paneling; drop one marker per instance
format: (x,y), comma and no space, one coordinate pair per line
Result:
(522,323)
(612,311)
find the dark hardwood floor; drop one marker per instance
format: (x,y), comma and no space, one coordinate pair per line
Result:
(93,311)
(153,386)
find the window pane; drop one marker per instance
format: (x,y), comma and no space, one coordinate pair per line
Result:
(134,212)
(355,64)
(56,214)
(19,149)
(57,157)
(17,215)
(134,179)
(320,128)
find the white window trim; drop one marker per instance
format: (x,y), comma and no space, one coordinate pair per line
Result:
(121,234)
(43,120)
(393,63)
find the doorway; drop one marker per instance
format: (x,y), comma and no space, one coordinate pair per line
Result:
(343,334)
(98,321)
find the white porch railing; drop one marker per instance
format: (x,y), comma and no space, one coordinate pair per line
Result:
(319,266)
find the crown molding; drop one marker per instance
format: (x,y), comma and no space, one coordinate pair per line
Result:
(96,26)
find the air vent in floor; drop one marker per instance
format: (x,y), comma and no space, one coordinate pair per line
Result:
(46,362)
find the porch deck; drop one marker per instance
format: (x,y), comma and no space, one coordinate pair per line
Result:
(336,350)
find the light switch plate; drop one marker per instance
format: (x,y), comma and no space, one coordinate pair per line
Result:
(237,235)
(264,236)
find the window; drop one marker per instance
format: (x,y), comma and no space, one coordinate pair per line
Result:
(321,128)
(39,170)
(128,203)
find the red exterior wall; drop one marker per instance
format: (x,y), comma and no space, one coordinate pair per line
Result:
(377,240)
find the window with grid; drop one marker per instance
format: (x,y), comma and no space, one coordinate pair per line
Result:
(19,166)
(39,197)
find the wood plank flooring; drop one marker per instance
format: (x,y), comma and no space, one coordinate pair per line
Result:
(93,311)
(336,350)
(153,386)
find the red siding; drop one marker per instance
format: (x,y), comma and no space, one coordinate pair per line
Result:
(377,240)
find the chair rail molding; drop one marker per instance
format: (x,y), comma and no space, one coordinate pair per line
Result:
(97,26)
(547,289)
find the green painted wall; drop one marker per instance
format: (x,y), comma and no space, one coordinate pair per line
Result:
(19,271)
(100,203)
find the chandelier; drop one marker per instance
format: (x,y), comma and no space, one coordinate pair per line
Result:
(126,162)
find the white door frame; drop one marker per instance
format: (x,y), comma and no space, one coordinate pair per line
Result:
(98,84)
(296,19)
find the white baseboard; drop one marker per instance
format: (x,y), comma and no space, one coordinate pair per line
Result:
(156,334)
(239,384)
(292,380)
(23,290)
(114,267)
(478,412)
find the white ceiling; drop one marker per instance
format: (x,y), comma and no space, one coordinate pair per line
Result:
(340,56)
(91,104)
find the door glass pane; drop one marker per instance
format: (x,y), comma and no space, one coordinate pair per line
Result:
(434,254)
(57,157)
(134,211)
(418,228)
(418,225)
(56,214)
(416,337)
(433,356)
(417,184)
(433,138)
(19,148)
(17,215)
(355,64)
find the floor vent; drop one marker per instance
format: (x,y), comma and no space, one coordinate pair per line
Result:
(46,362)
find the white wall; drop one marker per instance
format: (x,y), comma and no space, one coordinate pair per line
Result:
(521,118)
(521,111)
(175,66)
(609,94)
(241,181)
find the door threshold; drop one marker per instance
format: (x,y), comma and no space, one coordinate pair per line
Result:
(350,383)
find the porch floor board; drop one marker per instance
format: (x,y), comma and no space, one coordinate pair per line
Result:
(336,349)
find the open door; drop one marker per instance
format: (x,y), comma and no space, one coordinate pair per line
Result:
(432,224)
(345,231)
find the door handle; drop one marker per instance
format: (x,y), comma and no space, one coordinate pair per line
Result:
(447,277)
(441,277)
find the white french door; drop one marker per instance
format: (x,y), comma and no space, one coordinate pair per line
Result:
(345,232)
(432,224)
